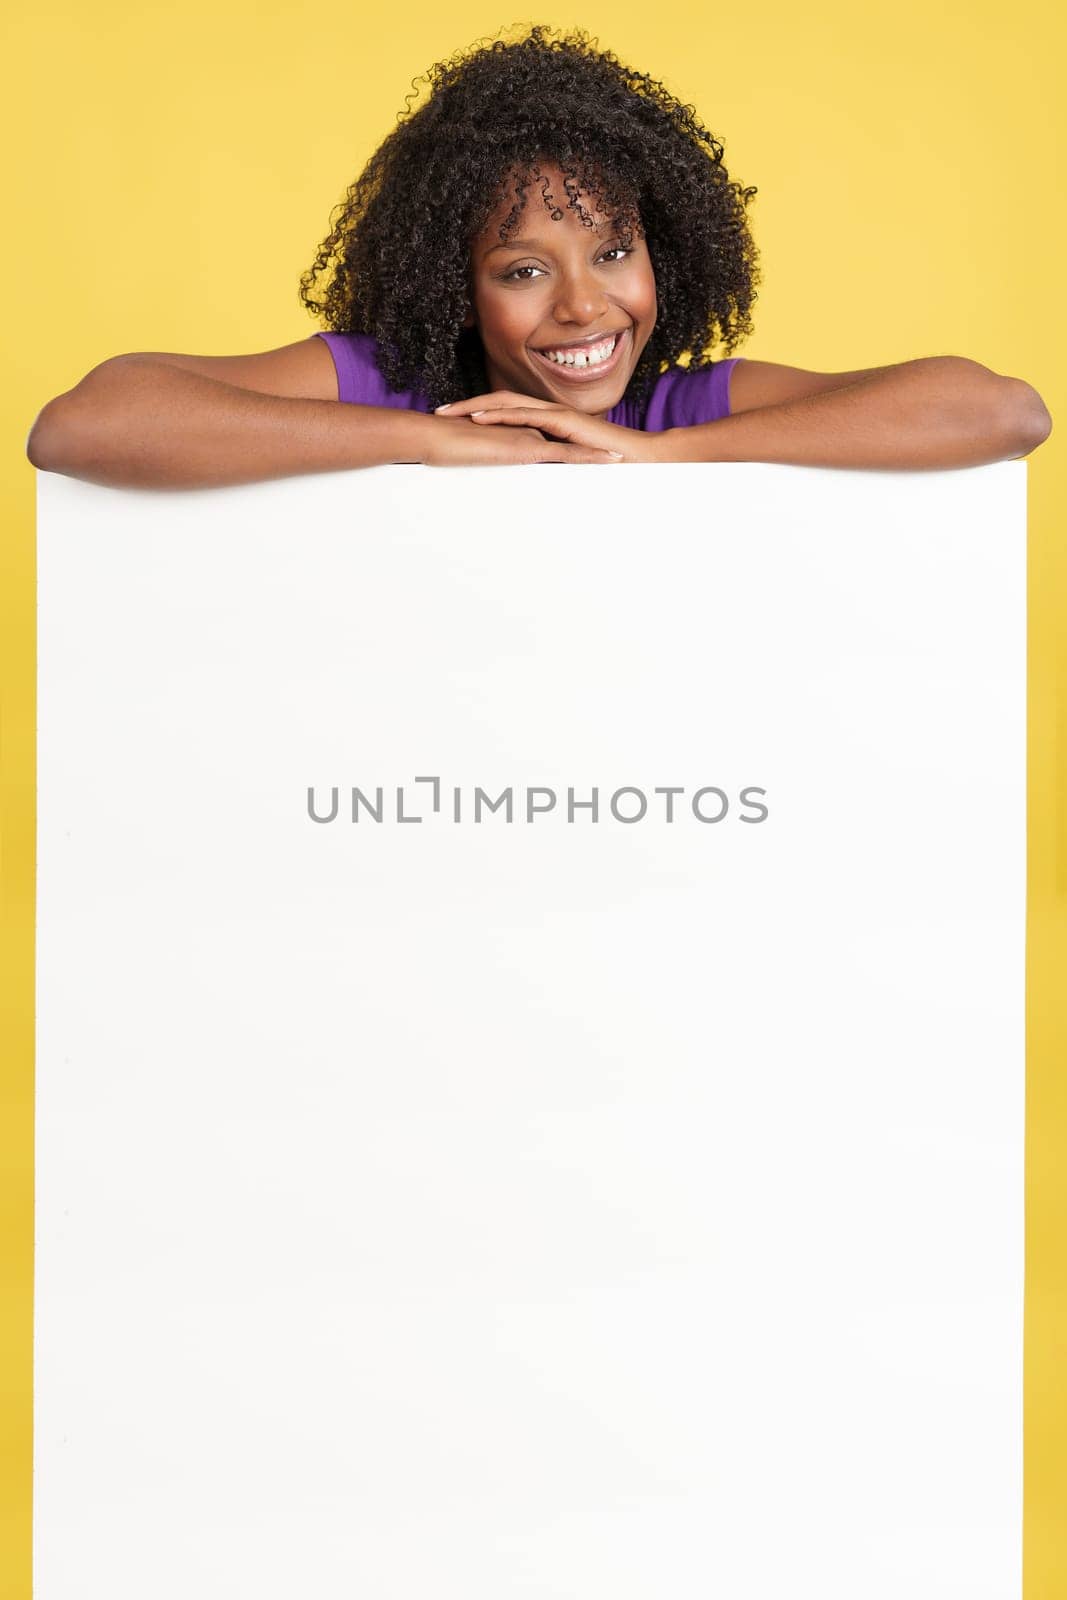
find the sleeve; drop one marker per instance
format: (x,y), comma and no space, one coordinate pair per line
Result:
(682,399)
(358,380)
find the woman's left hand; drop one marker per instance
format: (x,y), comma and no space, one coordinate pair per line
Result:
(556,421)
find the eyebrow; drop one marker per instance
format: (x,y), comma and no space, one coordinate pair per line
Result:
(534,244)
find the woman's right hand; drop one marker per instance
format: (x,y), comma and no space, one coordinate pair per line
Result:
(170,421)
(459,442)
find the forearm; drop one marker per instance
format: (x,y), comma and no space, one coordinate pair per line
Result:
(940,411)
(143,424)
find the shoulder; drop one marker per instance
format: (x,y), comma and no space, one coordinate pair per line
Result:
(360,380)
(300,371)
(682,397)
(769,383)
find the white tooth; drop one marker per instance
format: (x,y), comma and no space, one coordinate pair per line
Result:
(591,357)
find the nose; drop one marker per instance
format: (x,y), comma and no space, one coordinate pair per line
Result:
(581,298)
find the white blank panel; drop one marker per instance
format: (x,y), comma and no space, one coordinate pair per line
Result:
(532,1210)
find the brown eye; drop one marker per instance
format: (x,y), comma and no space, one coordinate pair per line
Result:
(514,273)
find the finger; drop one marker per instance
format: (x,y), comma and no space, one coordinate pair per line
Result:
(498,399)
(558,430)
(561,424)
(528,447)
(522,417)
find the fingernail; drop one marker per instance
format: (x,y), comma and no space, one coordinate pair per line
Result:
(444,408)
(477,413)
(616,455)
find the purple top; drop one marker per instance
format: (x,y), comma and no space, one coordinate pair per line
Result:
(677,399)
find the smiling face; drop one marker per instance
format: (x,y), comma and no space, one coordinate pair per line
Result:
(563,311)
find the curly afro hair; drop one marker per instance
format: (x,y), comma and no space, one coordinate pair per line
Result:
(396,263)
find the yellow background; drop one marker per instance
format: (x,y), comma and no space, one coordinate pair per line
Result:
(170,171)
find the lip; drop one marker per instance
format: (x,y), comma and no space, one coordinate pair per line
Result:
(588,374)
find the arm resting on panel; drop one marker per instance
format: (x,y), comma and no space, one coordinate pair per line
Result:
(938,411)
(179,422)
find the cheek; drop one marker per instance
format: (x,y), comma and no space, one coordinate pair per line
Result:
(647,294)
(505,319)
(639,295)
